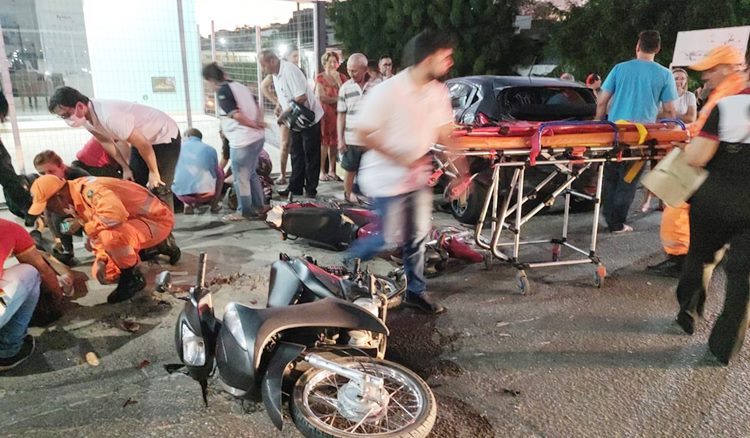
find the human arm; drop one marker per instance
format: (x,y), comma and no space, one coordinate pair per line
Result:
(340,129)
(668,110)
(266,87)
(33,257)
(230,107)
(602,103)
(320,92)
(116,155)
(146,151)
(703,147)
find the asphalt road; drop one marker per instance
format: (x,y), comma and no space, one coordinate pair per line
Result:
(565,360)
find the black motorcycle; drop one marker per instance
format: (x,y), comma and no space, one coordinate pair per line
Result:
(321,340)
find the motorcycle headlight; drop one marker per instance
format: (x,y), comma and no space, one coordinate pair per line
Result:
(193,348)
(232,322)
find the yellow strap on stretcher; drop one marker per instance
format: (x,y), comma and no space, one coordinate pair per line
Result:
(638,165)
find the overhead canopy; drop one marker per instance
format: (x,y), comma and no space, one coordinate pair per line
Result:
(692,46)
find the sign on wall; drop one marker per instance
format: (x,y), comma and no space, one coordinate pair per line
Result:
(692,46)
(163,84)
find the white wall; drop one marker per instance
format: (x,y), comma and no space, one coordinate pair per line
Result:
(132,41)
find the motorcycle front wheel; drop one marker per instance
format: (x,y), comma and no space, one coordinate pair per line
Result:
(324,405)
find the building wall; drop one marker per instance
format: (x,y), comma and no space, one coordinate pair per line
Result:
(132,42)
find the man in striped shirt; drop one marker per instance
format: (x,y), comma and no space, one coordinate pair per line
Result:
(350,95)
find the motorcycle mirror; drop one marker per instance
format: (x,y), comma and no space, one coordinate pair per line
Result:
(164,281)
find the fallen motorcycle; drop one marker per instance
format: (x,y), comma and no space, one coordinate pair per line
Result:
(321,339)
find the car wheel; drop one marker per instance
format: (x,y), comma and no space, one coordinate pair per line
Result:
(470,212)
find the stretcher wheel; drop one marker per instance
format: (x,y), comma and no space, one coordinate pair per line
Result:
(522,282)
(599,275)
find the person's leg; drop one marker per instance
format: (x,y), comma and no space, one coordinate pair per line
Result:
(166,161)
(699,264)
(418,214)
(138,167)
(625,195)
(323,156)
(311,139)
(218,190)
(297,153)
(284,143)
(258,200)
(21,286)
(241,169)
(730,328)
(366,248)
(609,192)
(332,163)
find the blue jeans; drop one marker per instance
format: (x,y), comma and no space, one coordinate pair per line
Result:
(21,286)
(618,195)
(247,185)
(404,221)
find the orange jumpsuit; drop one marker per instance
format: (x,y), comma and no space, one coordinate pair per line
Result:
(120,218)
(675,222)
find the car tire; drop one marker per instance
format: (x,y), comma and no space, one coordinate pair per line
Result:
(469,214)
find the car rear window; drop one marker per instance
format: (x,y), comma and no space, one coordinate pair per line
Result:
(541,104)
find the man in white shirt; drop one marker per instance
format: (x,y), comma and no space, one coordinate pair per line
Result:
(395,167)
(350,99)
(293,89)
(242,124)
(118,125)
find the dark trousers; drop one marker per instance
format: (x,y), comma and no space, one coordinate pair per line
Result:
(618,195)
(305,154)
(111,171)
(712,226)
(167,155)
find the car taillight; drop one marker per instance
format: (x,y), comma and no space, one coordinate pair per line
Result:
(481,119)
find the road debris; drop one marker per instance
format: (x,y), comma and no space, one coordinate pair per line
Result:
(92,359)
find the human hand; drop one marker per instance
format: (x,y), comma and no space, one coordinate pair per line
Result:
(66,284)
(341,146)
(154,180)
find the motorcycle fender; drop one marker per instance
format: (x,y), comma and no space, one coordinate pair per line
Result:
(260,326)
(285,284)
(283,355)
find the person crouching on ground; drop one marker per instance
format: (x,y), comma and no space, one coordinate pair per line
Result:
(119,217)
(198,178)
(49,163)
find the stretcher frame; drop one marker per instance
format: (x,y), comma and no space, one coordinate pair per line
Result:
(507,217)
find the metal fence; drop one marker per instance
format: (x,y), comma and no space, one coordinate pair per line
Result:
(111,49)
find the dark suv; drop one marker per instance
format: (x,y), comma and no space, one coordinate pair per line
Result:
(487,100)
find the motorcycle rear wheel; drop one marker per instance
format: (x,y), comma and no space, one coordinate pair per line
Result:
(315,407)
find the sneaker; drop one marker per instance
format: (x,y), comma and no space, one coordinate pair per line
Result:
(27,349)
(423,302)
(66,258)
(188,209)
(625,229)
(131,281)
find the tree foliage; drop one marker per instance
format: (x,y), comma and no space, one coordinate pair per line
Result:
(595,35)
(482,30)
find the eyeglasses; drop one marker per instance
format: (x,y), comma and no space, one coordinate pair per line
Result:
(387,64)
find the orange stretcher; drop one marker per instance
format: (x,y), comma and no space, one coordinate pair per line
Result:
(571,149)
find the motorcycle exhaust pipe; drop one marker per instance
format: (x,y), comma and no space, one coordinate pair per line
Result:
(358,376)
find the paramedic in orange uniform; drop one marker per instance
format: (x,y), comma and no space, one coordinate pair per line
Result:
(119,217)
(721,72)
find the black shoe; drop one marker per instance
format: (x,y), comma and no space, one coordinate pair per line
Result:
(686,322)
(27,349)
(66,258)
(131,281)
(311,195)
(170,249)
(284,193)
(671,267)
(422,302)
(147,254)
